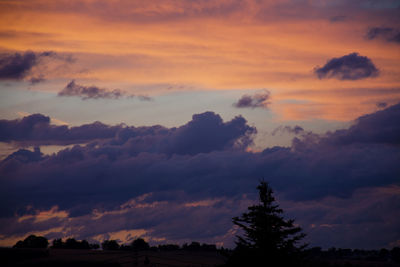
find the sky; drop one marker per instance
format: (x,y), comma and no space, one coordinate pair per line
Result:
(158,119)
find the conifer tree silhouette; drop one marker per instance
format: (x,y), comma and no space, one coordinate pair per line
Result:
(268,238)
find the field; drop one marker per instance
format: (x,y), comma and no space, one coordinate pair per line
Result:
(69,257)
(90,258)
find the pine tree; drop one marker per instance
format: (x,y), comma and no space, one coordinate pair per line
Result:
(268,236)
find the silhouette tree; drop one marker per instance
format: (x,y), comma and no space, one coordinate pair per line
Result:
(57,243)
(268,237)
(140,244)
(33,241)
(71,243)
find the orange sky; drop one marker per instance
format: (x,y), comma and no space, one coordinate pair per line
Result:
(212,46)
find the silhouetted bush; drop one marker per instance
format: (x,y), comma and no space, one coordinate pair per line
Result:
(125,247)
(110,245)
(57,243)
(140,244)
(32,241)
(71,243)
(195,246)
(208,247)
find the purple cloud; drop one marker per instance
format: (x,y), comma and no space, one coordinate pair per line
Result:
(348,67)
(36,130)
(376,128)
(205,161)
(258,100)
(204,133)
(92,92)
(16,66)
(387,34)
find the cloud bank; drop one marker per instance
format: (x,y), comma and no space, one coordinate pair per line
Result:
(200,175)
(36,130)
(348,67)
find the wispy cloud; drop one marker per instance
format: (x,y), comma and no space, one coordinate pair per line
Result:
(258,100)
(289,129)
(387,34)
(94,92)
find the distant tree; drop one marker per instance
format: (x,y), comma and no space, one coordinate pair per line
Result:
(57,243)
(140,244)
(71,243)
(110,245)
(125,247)
(32,241)
(268,237)
(84,244)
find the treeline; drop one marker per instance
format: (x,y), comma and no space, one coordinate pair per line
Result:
(141,244)
(138,244)
(71,243)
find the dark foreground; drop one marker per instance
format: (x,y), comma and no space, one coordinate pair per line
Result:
(89,258)
(77,258)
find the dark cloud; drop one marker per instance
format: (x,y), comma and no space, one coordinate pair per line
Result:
(26,156)
(353,222)
(204,133)
(201,172)
(378,128)
(36,130)
(90,92)
(207,132)
(94,92)
(385,33)
(348,67)
(18,66)
(258,100)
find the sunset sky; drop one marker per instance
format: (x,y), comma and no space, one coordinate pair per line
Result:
(157,119)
